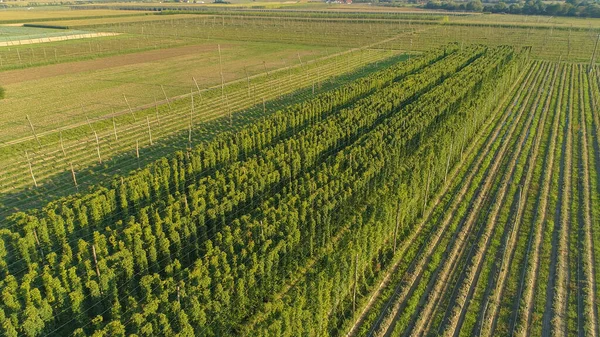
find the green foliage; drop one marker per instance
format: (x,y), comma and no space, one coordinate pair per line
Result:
(2,93)
(253,228)
(577,8)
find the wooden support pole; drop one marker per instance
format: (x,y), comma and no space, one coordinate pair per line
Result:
(37,241)
(355,284)
(247,80)
(74,178)
(397,224)
(31,169)
(95,260)
(98,147)
(156,110)
(426,190)
(149,130)
(448,162)
(229,111)
(197,86)
(166,98)
(462,146)
(129,106)
(62,145)
(137,149)
(33,130)
(264,106)
(115,128)
(221,71)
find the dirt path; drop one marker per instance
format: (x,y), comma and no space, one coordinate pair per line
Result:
(55,39)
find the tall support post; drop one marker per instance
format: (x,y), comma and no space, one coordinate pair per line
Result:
(37,241)
(221,71)
(129,106)
(95,260)
(397,225)
(197,86)
(426,190)
(149,130)
(31,169)
(448,161)
(98,146)
(33,130)
(156,110)
(229,111)
(166,97)
(462,146)
(115,129)
(62,145)
(74,178)
(247,80)
(355,284)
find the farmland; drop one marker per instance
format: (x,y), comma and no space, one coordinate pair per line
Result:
(299,170)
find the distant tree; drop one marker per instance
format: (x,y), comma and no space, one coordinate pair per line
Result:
(500,7)
(475,6)
(1,93)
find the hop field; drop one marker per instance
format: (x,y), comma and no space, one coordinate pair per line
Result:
(302,173)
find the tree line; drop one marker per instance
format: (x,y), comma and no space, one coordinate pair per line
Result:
(576,8)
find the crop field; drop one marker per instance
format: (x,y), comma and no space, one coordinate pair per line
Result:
(300,170)
(509,247)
